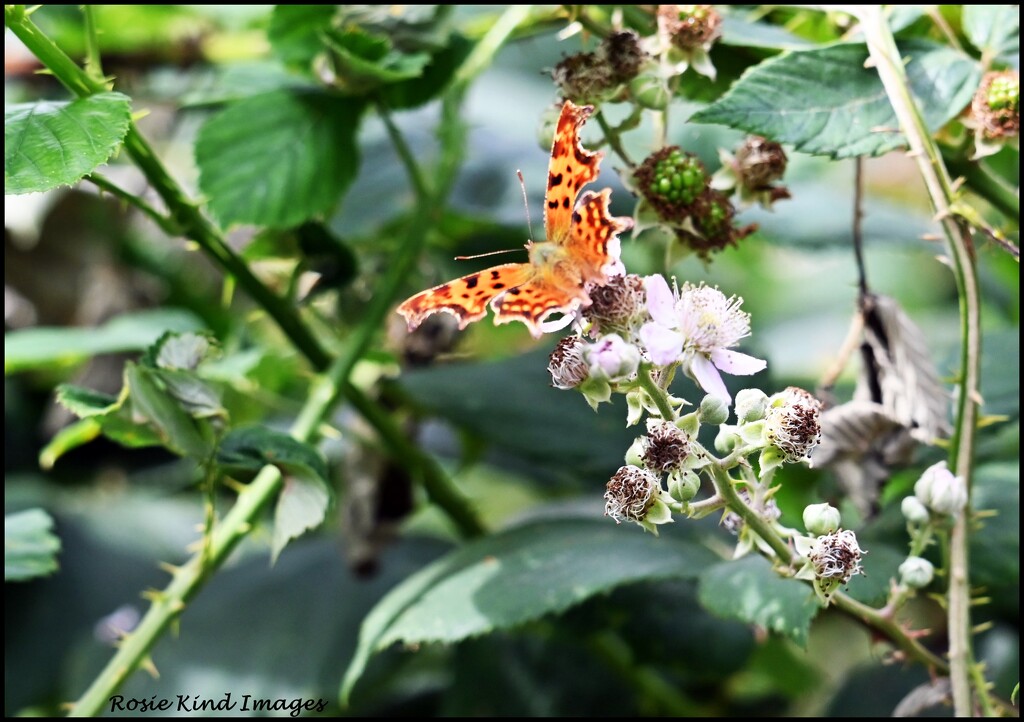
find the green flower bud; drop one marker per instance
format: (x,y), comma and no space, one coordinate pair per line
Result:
(821,519)
(914,511)
(916,573)
(713,410)
(751,405)
(684,485)
(650,91)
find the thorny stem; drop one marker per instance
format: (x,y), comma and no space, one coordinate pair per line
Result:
(165,223)
(188,579)
(887,61)
(724,485)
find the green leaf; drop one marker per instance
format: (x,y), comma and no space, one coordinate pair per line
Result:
(364,61)
(180,351)
(155,405)
(516,576)
(435,76)
(825,102)
(30,549)
(85,403)
(993,29)
(301,506)
(279,158)
(250,448)
(194,394)
(50,144)
(75,434)
(741,32)
(748,590)
(41,347)
(295,31)
(99,413)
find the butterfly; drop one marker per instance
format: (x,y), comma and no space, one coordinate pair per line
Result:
(581,250)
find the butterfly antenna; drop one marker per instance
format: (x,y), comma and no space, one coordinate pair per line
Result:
(526,203)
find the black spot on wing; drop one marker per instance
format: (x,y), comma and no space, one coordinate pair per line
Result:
(472,281)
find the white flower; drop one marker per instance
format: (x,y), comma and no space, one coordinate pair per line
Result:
(696,327)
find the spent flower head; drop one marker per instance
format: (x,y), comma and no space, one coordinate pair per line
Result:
(757,164)
(696,327)
(566,365)
(792,423)
(665,448)
(690,31)
(636,495)
(618,306)
(832,560)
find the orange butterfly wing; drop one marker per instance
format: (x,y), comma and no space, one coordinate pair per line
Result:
(466,298)
(582,247)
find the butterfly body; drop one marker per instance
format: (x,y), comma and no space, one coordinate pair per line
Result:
(582,248)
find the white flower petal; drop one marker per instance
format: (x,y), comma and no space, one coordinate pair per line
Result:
(707,376)
(663,344)
(736,363)
(661,301)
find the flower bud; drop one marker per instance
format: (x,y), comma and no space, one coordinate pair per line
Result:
(750,405)
(612,358)
(683,485)
(713,410)
(821,519)
(914,511)
(650,91)
(916,573)
(940,491)
(566,365)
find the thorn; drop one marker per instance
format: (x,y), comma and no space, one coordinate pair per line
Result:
(983,627)
(980,602)
(170,568)
(930,237)
(234,485)
(955,186)
(156,596)
(914,153)
(147,664)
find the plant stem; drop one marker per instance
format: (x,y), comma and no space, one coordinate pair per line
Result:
(726,490)
(980,180)
(878,622)
(887,61)
(93,63)
(658,395)
(165,223)
(614,140)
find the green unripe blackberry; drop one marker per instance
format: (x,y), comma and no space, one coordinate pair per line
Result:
(1004,93)
(672,180)
(996,106)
